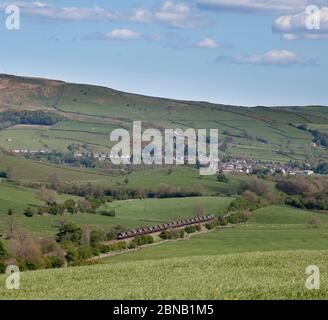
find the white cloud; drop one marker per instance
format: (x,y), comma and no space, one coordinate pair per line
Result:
(176,15)
(46,11)
(208,43)
(294,27)
(254,6)
(122,34)
(282,58)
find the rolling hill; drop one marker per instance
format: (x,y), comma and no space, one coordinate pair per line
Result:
(92,112)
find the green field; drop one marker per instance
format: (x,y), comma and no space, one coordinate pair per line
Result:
(129,213)
(18,198)
(33,171)
(274,275)
(165,210)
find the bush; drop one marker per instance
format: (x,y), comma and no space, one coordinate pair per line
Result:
(221,221)
(133,245)
(56,209)
(222,178)
(118,246)
(295,186)
(71,206)
(242,203)
(143,239)
(166,235)
(104,248)
(3,251)
(29,212)
(257,186)
(69,232)
(72,254)
(211,225)
(54,262)
(172,234)
(108,212)
(237,217)
(3,267)
(85,252)
(190,229)
(3,174)
(96,237)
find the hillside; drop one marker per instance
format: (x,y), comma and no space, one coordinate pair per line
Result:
(274,275)
(91,113)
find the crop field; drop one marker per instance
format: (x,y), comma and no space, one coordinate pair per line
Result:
(272,275)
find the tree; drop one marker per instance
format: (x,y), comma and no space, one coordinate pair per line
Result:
(258,186)
(26,249)
(84,206)
(70,206)
(69,232)
(48,196)
(29,212)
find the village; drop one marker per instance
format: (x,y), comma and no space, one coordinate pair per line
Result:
(230,166)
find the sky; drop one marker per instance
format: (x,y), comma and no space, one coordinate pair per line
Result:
(240,52)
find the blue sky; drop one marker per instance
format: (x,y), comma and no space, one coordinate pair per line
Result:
(243,52)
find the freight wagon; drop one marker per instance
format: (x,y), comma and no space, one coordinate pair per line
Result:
(164,226)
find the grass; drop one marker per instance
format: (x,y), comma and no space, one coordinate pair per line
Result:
(274,275)
(33,171)
(289,230)
(181,177)
(129,213)
(164,210)
(18,198)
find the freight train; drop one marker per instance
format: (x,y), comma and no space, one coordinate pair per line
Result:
(164,226)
